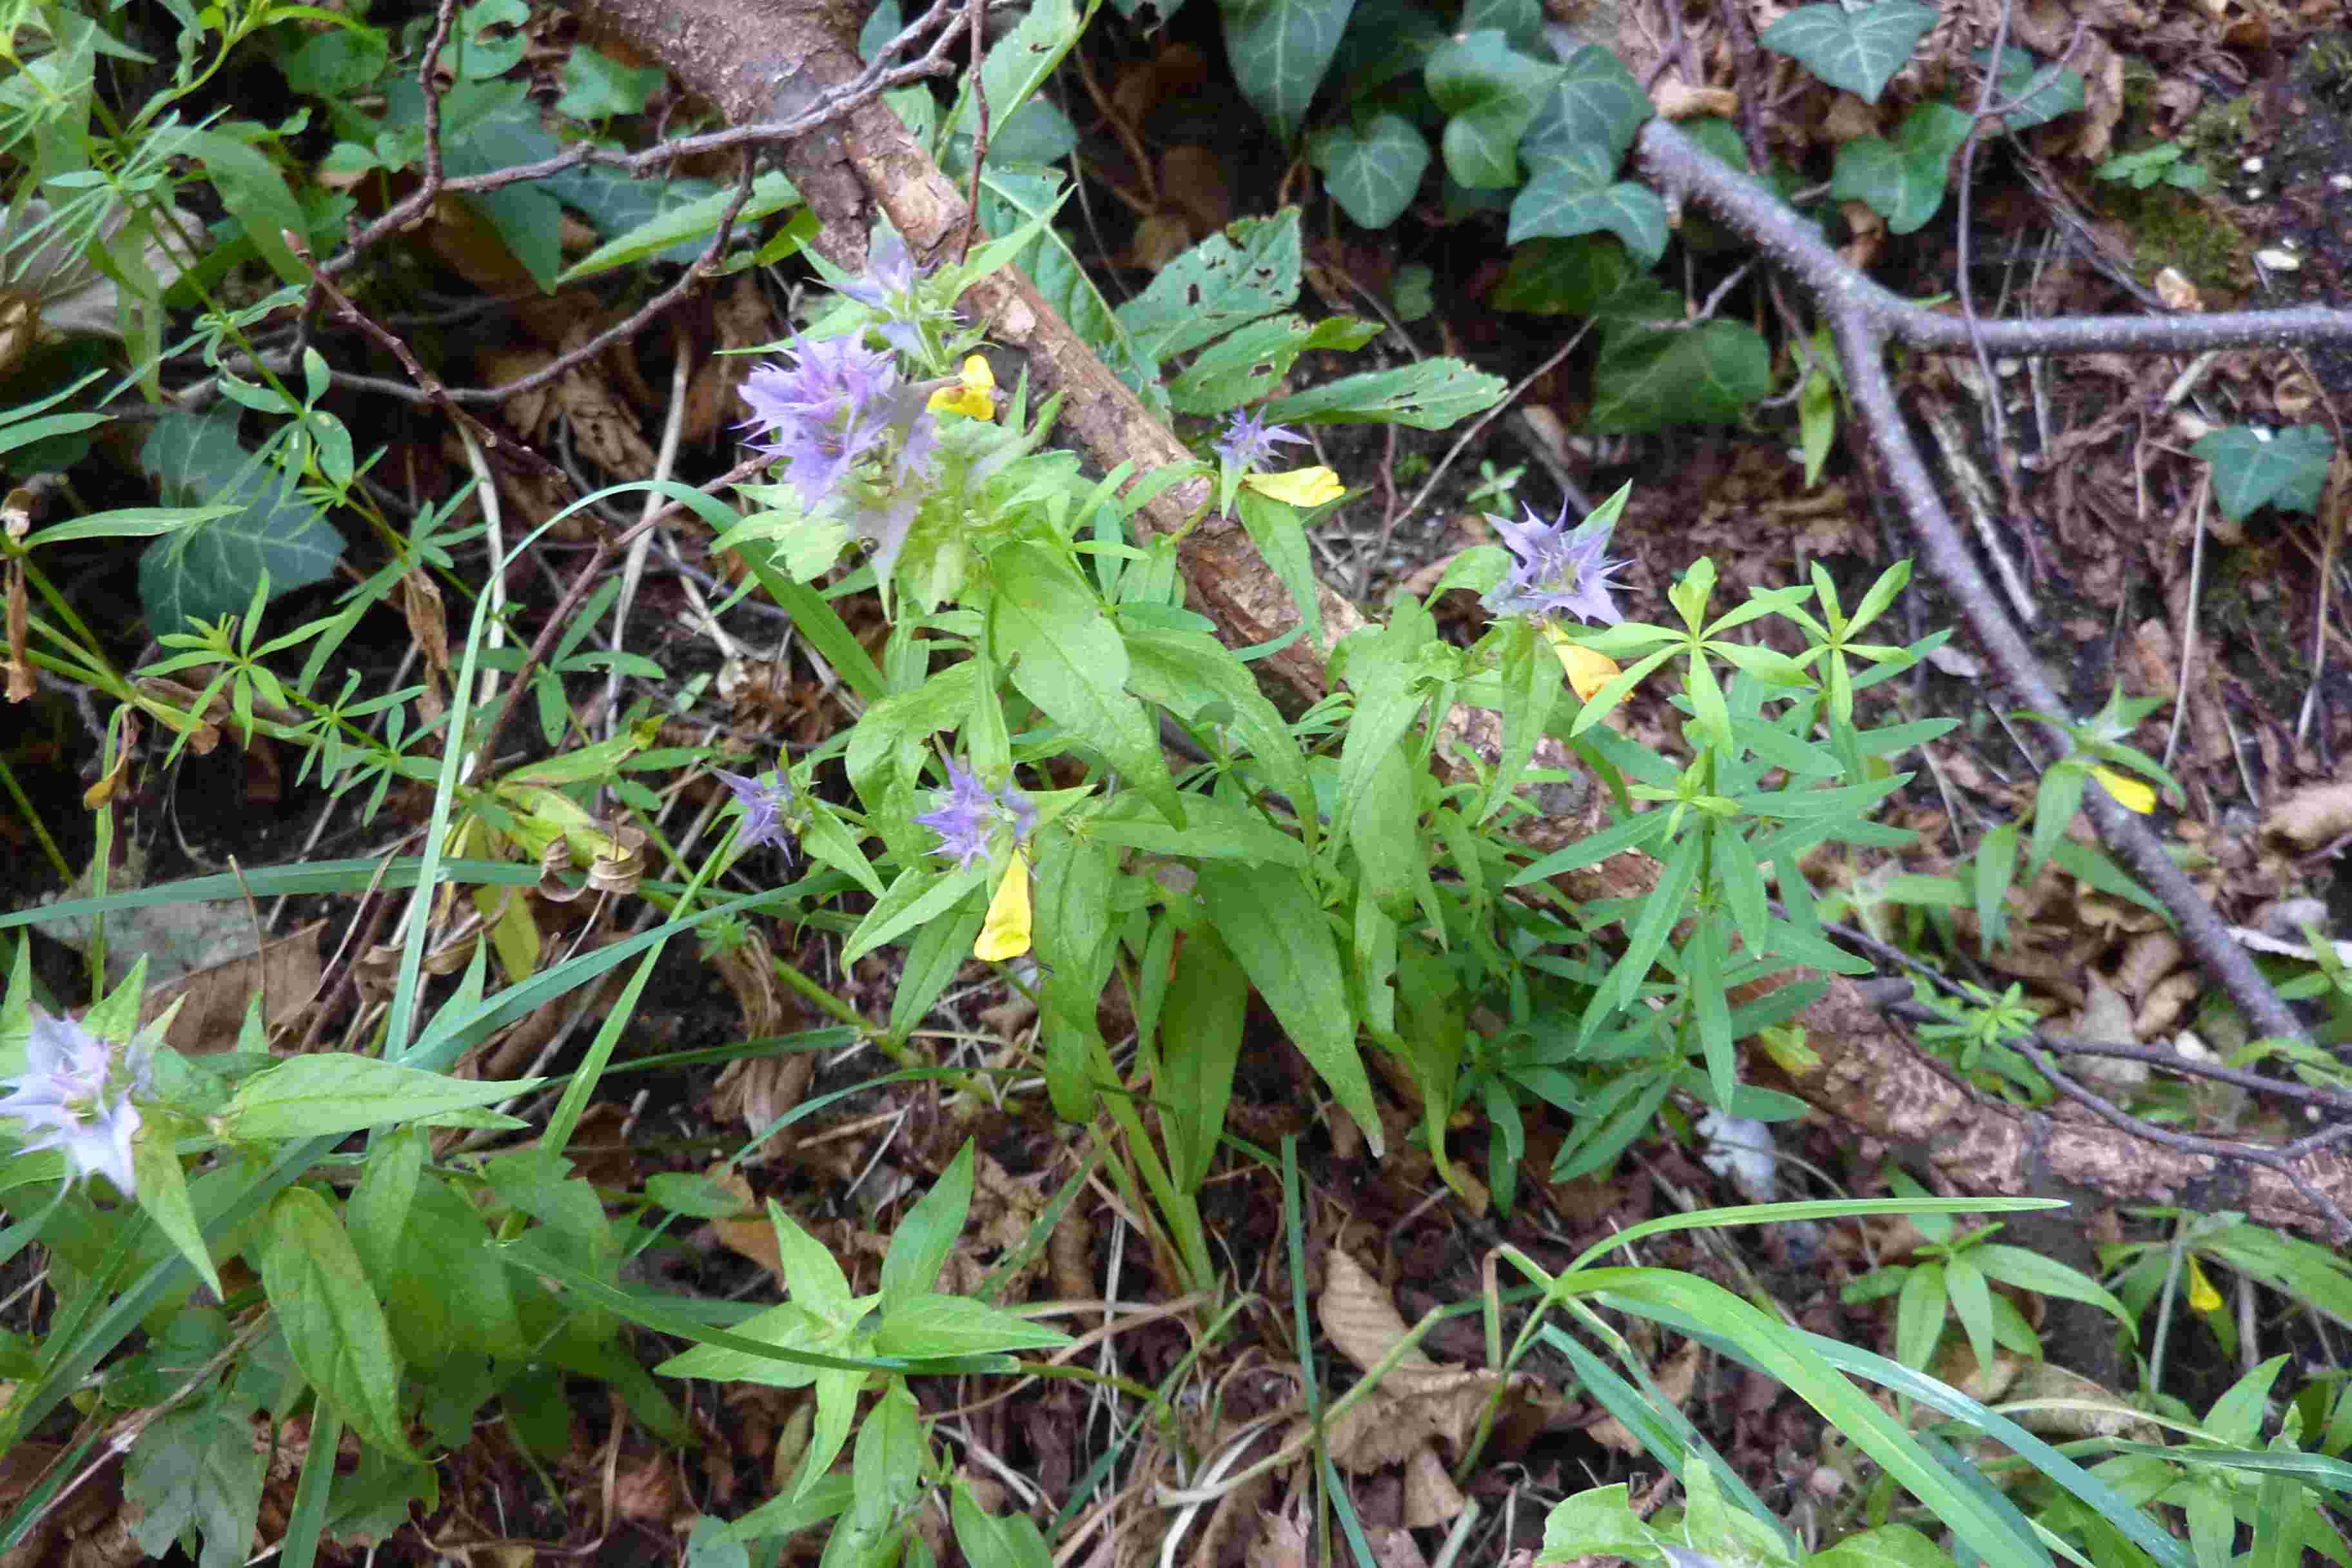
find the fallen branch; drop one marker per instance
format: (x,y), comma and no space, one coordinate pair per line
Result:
(758,58)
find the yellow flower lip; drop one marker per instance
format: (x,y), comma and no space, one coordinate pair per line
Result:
(1005,932)
(2129,793)
(973,393)
(1298,486)
(1588,671)
(2203,1297)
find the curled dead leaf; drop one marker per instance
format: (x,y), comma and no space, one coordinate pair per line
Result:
(554,862)
(620,864)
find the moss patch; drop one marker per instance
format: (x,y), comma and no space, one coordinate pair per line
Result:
(2219,133)
(2171,227)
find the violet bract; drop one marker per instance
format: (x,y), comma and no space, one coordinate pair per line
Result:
(763,806)
(74,1096)
(1559,570)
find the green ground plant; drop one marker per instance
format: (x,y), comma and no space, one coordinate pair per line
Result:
(1007,793)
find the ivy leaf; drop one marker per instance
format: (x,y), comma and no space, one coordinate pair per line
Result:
(1521,22)
(1707,374)
(2253,466)
(1279,50)
(1857,50)
(1490,93)
(1597,104)
(1563,201)
(1385,40)
(598,87)
(1563,277)
(208,569)
(1372,169)
(1428,395)
(2062,95)
(1902,180)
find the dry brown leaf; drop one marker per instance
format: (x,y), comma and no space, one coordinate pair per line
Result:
(743,320)
(1281,1542)
(757,1091)
(1431,1498)
(749,1237)
(2147,958)
(1674,1379)
(2311,816)
(1676,100)
(1192,180)
(21,684)
(1393,1548)
(1143,86)
(429,623)
(1411,1408)
(2172,997)
(1158,240)
(2089,1409)
(2177,292)
(285,973)
(1358,1314)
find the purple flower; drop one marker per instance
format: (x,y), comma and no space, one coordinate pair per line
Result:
(888,286)
(763,806)
(890,273)
(822,412)
(1559,570)
(1018,809)
(970,814)
(73,1095)
(1249,441)
(963,821)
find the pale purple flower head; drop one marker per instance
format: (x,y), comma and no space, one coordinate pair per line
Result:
(1559,571)
(1249,441)
(970,814)
(890,273)
(963,819)
(829,407)
(763,806)
(75,1097)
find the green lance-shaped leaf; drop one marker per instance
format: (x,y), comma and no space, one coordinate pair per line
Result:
(1273,926)
(334,1325)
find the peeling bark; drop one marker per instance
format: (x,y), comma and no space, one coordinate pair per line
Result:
(763,59)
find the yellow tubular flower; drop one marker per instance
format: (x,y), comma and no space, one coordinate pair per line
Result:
(1588,671)
(974,393)
(1005,933)
(2129,793)
(1299,487)
(2203,1297)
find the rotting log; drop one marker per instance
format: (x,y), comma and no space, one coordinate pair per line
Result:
(766,60)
